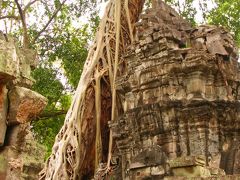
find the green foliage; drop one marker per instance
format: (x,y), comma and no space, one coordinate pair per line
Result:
(72,52)
(185,8)
(47,84)
(227,14)
(45,128)
(69,49)
(62,52)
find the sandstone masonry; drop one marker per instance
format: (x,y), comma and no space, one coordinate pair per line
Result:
(20,155)
(181,102)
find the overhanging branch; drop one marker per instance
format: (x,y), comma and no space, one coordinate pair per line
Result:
(49,21)
(23,19)
(29,4)
(50,114)
(10,17)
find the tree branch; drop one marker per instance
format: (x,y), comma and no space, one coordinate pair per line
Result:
(10,17)
(49,21)
(29,4)
(23,19)
(50,114)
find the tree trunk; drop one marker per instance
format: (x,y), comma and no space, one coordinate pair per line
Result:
(84,140)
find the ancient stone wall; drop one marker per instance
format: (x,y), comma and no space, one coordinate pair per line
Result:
(20,155)
(181,101)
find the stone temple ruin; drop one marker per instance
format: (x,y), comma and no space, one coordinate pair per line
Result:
(180,95)
(20,156)
(181,116)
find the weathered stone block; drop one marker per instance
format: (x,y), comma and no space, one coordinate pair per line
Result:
(146,172)
(24,104)
(215,44)
(23,156)
(9,62)
(216,171)
(187,161)
(30,57)
(196,85)
(16,64)
(16,136)
(219,177)
(3,167)
(191,171)
(27,59)
(176,96)
(3,112)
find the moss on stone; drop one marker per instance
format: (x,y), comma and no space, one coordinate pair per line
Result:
(3,163)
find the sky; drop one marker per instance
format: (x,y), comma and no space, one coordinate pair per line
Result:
(199,17)
(102,5)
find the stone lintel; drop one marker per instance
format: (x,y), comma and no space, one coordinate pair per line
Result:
(24,105)
(187,161)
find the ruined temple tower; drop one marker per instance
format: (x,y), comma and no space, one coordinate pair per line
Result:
(180,96)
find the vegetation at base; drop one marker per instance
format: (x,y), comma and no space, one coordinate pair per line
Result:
(54,28)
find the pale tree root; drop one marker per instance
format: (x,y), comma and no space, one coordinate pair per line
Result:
(80,146)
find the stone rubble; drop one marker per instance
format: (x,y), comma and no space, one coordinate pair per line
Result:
(20,156)
(180,95)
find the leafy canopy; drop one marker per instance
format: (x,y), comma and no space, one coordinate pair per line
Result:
(55,30)
(227,14)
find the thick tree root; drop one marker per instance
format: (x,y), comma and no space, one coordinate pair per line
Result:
(80,145)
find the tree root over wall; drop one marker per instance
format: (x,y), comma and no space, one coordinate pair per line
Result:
(81,144)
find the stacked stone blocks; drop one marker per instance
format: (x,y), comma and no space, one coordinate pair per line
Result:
(18,106)
(180,96)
